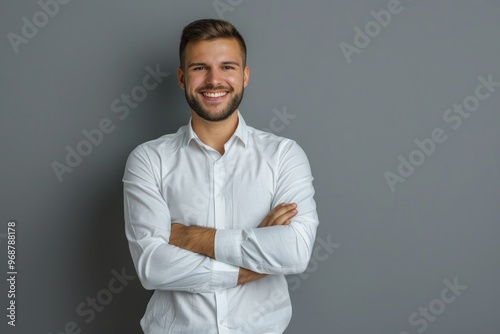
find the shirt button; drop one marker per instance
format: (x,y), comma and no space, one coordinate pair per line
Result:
(218,195)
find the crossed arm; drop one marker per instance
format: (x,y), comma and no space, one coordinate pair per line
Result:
(171,256)
(201,239)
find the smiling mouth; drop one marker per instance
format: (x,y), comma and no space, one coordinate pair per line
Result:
(214,94)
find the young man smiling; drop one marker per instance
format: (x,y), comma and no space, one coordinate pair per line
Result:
(217,213)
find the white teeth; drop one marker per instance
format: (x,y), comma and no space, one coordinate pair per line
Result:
(218,94)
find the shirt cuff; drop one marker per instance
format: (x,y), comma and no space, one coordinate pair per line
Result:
(227,246)
(224,275)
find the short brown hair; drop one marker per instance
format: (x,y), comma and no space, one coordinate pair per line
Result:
(209,29)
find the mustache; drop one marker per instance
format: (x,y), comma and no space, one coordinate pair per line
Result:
(212,87)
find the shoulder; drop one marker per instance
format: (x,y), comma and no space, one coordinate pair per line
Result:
(272,143)
(165,145)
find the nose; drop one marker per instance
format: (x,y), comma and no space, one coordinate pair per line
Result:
(214,77)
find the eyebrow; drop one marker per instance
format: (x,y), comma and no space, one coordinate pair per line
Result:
(228,62)
(196,64)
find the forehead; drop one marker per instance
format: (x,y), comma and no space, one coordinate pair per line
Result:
(220,49)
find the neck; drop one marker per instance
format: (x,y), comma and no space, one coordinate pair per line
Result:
(214,134)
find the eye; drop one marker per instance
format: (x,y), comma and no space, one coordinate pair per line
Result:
(198,68)
(227,67)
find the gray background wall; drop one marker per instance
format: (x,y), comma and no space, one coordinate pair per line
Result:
(393,253)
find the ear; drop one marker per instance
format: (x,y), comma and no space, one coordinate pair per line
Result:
(246,75)
(180,78)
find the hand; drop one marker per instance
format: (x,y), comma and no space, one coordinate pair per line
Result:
(280,215)
(246,276)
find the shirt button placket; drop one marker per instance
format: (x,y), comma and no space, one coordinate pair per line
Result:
(219,203)
(221,300)
(219,209)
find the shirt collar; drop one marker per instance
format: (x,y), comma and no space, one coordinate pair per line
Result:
(241,131)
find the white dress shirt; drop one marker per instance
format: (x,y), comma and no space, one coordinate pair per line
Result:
(177,178)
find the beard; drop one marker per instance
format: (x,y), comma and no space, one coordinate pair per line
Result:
(196,105)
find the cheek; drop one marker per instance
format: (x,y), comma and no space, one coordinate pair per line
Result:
(235,81)
(192,83)
(194,77)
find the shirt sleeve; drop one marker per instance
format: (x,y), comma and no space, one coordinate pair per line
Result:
(278,249)
(147,227)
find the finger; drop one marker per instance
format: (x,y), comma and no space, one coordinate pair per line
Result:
(278,206)
(284,218)
(281,210)
(278,211)
(271,215)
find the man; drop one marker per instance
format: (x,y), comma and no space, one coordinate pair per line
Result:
(217,213)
